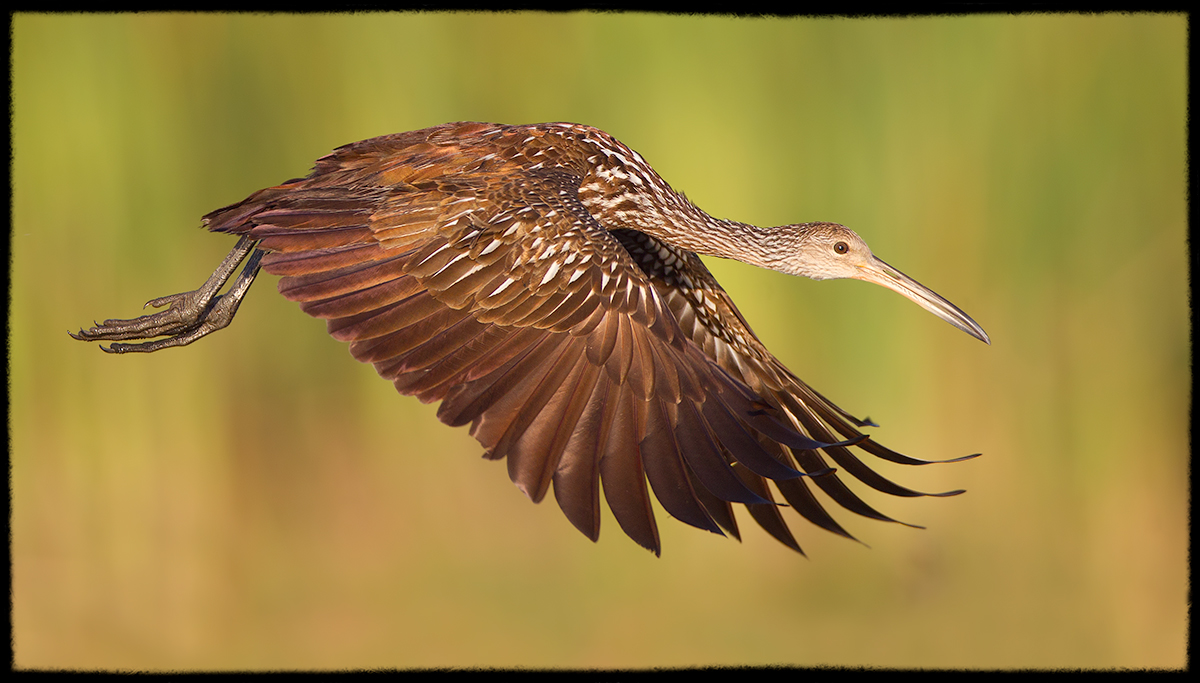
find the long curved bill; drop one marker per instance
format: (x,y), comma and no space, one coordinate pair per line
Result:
(882,274)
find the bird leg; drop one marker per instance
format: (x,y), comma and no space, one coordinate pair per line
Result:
(191,315)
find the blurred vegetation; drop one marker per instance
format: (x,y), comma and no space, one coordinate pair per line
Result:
(259,500)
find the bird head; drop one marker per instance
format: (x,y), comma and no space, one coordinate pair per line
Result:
(825,251)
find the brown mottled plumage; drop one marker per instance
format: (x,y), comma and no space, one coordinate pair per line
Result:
(542,283)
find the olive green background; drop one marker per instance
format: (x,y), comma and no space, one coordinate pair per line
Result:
(260,500)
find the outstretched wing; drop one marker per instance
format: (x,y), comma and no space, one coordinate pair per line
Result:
(468,280)
(707,315)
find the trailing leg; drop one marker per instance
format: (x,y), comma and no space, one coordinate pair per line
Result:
(191,315)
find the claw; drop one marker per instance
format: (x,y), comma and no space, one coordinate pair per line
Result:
(189,315)
(164,300)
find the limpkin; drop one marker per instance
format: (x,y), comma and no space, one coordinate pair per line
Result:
(542,282)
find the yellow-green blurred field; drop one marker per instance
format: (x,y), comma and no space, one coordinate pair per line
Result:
(260,500)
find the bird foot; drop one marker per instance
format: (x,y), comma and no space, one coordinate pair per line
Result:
(189,316)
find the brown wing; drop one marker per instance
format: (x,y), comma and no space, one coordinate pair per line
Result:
(492,290)
(707,315)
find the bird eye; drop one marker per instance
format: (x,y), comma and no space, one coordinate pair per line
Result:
(841,247)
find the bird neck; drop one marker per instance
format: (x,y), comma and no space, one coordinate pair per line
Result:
(691,228)
(650,206)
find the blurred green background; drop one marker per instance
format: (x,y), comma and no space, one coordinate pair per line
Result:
(260,500)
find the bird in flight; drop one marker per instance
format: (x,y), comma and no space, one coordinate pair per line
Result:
(542,282)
